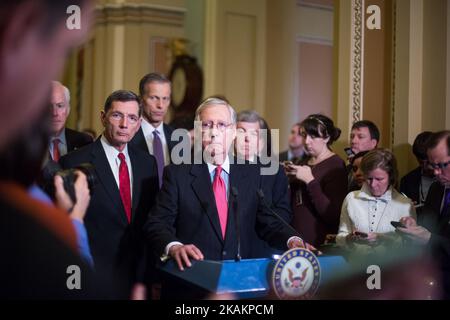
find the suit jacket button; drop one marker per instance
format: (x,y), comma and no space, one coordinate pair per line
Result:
(224,253)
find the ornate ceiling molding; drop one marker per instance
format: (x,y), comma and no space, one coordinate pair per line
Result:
(140,13)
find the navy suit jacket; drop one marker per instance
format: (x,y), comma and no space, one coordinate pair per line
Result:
(117,246)
(76,139)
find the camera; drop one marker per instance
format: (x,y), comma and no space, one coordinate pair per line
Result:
(69,177)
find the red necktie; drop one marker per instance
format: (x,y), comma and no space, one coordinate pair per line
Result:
(220,193)
(124,186)
(56,154)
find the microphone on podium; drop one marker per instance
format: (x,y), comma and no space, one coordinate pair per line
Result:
(276,215)
(234,193)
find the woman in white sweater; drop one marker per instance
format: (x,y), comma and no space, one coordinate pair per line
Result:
(366,214)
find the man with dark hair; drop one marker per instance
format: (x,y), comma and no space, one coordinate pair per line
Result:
(417,182)
(36,241)
(127,183)
(154,136)
(63,140)
(435,229)
(364,136)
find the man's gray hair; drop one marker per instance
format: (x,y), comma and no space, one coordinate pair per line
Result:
(251,116)
(215,101)
(67,95)
(66,92)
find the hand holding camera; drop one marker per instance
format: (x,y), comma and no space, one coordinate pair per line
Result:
(78,208)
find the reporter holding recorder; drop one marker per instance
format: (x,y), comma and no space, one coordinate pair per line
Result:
(366,214)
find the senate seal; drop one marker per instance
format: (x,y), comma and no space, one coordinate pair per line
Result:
(296,275)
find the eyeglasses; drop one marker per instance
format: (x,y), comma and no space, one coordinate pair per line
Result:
(440,165)
(209,125)
(118,116)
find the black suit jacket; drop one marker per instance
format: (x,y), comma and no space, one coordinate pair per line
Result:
(410,184)
(275,188)
(139,139)
(185,211)
(76,139)
(439,225)
(283,156)
(117,247)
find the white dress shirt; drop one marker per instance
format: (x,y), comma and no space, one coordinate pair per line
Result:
(112,154)
(62,145)
(148,129)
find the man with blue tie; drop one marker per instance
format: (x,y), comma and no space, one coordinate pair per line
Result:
(435,231)
(154,135)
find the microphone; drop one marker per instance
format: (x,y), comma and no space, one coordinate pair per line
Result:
(234,193)
(263,200)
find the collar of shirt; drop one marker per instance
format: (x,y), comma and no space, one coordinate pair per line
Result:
(62,146)
(61,137)
(148,129)
(112,152)
(365,194)
(225,167)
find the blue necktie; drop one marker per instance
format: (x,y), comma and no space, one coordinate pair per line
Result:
(446,206)
(158,154)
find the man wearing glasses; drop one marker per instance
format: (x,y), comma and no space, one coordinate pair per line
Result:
(435,230)
(126,186)
(203,209)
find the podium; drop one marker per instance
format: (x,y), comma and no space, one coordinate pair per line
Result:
(246,279)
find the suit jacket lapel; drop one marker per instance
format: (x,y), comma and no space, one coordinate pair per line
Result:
(106,177)
(168,134)
(203,190)
(136,181)
(68,140)
(140,140)
(237,177)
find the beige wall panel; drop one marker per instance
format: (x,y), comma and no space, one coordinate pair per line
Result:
(316,79)
(230,47)
(434,65)
(239,60)
(377,73)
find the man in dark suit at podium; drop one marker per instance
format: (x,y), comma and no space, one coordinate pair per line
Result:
(196,209)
